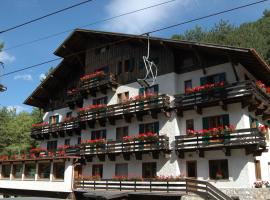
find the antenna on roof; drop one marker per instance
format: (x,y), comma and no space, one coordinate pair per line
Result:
(151,68)
(2,87)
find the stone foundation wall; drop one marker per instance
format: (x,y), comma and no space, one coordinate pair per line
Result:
(248,193)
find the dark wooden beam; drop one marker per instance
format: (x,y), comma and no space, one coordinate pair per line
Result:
(126,156)
(198,109)
(111,157)
(200,59)
(138,155)
(101,157)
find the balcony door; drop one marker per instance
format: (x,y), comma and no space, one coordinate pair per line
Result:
(149,170)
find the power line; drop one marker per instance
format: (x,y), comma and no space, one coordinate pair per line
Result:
(87,25)
(45,16)
(154,31)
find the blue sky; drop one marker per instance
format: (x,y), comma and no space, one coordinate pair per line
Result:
(14,12)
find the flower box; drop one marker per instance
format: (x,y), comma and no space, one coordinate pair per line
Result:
(97,74)
(205,88)
(40,124)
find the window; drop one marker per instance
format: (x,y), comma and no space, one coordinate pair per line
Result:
(121,169)
(17,170)
(123,97)
(67,141)
(189,125)
(69,115)
(44,170)
(218,169)
(254,123)
(188,85)
(52,145)
(121,132)
(100,134)
(97,170)
(149,170)
(79,140)
(119,67)
(149,127)
(153,89)
(6,171)
(58,170)
(215,121)
(54,119)
(258,170)
(30,170)
(129,65)
(217,78)
(102,100)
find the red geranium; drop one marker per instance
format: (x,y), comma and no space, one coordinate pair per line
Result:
(92,107)
(204,87)
(40,124)
(92,75)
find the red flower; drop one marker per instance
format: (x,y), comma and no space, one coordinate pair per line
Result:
(92,107)
(40,124)
(92,75)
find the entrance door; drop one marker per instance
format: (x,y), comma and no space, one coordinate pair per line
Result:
(78,172)
(192,169)
(149,170)
(191,173)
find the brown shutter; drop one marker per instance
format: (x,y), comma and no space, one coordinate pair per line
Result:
(258,169)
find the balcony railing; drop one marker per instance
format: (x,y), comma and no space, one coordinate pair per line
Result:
(126,110)
(54,154)
(113,148)
(101,83)
(202,188)
(229,93)
(59,129)
(251,139)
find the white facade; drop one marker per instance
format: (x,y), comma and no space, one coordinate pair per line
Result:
(241,167)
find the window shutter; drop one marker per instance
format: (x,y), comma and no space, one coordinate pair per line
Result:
(103,134)
(105,100)
(156,89)
(225,119)
(156,127)
(141,128)
(141,91)
(203,80)
(205,123)
(93,135)
(222,77)
(57,118)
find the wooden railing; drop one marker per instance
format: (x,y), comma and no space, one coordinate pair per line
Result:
(114,147)
(96,84)
(161,102)
(202,188)
(229,93)
(74,100)
(235,139)
(45,131)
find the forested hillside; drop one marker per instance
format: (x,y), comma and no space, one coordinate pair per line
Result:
(252,35)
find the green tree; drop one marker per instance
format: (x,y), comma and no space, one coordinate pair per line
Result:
(250,35)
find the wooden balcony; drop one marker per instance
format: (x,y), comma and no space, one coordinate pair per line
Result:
(99,84)
(74,100)
(56,130)
(247,93)
(138,148)
(147,188)
(127,110)
(251,139)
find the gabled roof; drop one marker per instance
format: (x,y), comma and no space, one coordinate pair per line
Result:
(78,40)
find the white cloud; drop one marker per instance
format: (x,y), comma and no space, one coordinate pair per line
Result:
(42,77)
(6,57)
(25,77)
(17,108)
(142,21)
